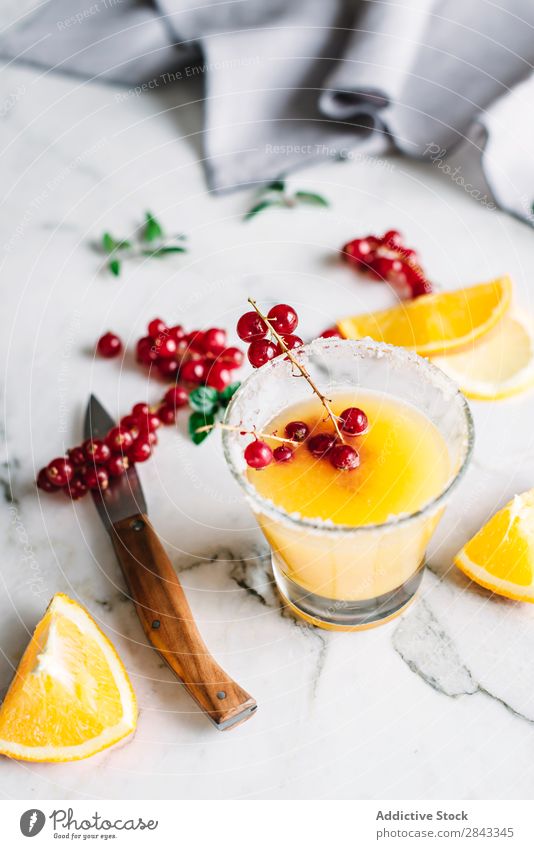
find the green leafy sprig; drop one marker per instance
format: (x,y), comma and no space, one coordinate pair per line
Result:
(151,241)
(208,407)
(276,194)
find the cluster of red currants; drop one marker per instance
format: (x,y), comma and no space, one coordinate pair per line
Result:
(253,329)
(352,422)
(92,464)
(386,258)
(199,357)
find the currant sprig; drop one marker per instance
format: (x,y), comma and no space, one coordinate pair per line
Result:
(386,258)
(281,322)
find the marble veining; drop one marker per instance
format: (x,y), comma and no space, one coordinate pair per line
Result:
(437,704)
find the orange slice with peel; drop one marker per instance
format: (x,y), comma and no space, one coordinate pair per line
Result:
(498,365)
(436,324)
(500,557)
(71,696)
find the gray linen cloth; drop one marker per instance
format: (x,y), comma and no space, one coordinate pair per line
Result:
(288,81)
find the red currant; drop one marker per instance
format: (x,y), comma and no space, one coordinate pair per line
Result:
(167,414)
(283,318)
(132,424)
(353,421)
(176,396)
(331,332)
(344,457)
(119,440)
(177,333)
(360,251)
(321,444)
(117,465)
(76,488)
(95,477)
(283,453)
(165,347)
(421,286)
(193,371)
(60,471)
(251,327)
(109,345)
(258,454)
(291,341)
(96,451)
(140,450)
(168,369)
(140,409)
(218,377)
(392,237)
(215,351)
(232,357)
(149,423)
(214,339)
(297,431)
(145,351)
(195,342)
(156,327)
(261,351)
(44,482)
(385,267)
(150,436)
(77,456)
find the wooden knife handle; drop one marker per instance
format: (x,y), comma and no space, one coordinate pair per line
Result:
(168,623)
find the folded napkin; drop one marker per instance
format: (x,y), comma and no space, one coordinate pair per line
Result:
(289,81)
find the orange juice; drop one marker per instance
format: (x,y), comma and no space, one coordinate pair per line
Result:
(404,465)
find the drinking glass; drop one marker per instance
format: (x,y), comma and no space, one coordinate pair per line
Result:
(344,577)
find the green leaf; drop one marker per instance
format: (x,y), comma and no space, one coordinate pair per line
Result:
(258,207)
(167,249)
(311,197)
(197,420)
(276,186)
(204,399)
(111,245)
(153,229)
(115,267)
(226,395)
(108,243)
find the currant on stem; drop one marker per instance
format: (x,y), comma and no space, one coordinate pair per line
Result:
(258,455)
(387,258)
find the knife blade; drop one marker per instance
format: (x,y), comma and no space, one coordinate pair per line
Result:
(157,594)
(124,495)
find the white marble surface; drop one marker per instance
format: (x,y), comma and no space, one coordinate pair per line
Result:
(437,704)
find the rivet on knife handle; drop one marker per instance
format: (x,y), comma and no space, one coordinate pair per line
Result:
(168,623)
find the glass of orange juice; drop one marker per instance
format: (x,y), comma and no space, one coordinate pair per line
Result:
(348,547)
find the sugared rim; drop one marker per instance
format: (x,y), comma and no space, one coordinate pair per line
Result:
(436,376)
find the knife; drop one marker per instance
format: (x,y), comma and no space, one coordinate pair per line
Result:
(157,594)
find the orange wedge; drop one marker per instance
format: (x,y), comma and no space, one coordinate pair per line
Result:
(436,324)
(498,365)
(500,556)
(71,696)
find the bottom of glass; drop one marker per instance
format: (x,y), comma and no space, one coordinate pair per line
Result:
(336,615)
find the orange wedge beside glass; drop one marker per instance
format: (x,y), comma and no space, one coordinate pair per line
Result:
(71,696)
(436,324)
(497,365)
(500,556)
